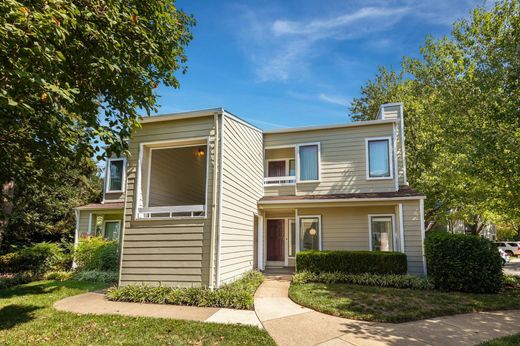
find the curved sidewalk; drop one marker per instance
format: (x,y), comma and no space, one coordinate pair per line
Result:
(291,324)
(96,303)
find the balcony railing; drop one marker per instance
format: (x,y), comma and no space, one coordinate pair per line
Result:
(171,212)
(287,180)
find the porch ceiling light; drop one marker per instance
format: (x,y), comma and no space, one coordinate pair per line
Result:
(200,152)
(312,231)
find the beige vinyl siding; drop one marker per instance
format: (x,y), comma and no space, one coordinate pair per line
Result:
(393,112)
(279,153)
(83,223)
(242,188)
(280,190)
(169,252)
(413,241)
(343,158)
(108,214)
(114,196)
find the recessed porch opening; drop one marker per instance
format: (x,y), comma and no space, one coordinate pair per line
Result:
(280,166)
(174,181)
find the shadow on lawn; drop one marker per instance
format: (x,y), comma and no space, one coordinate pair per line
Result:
(46,287)
(12,315)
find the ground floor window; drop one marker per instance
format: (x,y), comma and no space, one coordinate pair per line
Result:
(381,230)
(310,233)
(111,230)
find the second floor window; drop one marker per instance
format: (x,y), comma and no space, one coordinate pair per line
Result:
(379,163)
(115,175)
(308,162)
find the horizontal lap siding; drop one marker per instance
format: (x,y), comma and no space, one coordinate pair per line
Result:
(83,223)
(168,252)
(241,190)
(343,162)
(287,190)
(413,237)
(345,228)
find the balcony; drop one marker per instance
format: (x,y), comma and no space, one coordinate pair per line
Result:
(171,212)
(284,180)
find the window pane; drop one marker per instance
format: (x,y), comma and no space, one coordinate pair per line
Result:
(292,169)
(309,162)
(276,169)
(379,163)
(116,175)
(112,230)
(292,238)
(310,231)
(381,234)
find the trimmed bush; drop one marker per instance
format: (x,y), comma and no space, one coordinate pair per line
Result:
(10,280)
(109,277)
(97,254)
(366,279)
(351,262)
(35,260)
(459,262)
(237,295)
(59,276)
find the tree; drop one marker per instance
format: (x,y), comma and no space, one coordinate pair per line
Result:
(74,74)
(462,102)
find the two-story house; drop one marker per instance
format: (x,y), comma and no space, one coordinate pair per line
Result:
(205,196)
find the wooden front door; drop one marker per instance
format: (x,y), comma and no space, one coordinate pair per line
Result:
(275,240)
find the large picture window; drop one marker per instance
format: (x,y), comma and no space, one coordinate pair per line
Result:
(310,233)
(381,230)
(115,175)
(309,162)
(379,164)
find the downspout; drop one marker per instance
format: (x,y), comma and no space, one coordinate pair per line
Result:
(122,236)
(403,156)
(213,204)
(220,193)
(396,167)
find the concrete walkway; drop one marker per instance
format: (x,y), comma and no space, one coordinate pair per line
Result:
(290,324)
(96,303)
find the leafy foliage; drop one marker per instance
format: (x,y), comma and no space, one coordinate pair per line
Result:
(367,279)
(98,254)
(10,280)
(36,260)
(108,277)
(462,120)
(237,295)
(352,262)
(59,275)
(459,262)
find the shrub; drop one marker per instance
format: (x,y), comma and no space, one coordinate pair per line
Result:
(352,262)
(459,262)
(95,253)
(59,276)
(511,281)
(108,277)
(237,295)
(10,280)
(366,279)
(36,259)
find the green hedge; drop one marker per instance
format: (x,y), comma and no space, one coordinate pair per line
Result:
(366,279)
(35,260)
(459,262)
(237,295)
(97,254)
(109,277)
(352,262)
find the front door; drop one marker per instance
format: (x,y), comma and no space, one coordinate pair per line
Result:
(275,240)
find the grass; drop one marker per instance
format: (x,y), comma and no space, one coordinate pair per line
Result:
(394,304)
(28,318)
(512,340)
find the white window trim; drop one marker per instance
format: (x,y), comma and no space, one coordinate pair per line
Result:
(320,233)
(390,161)
(176,143)
(286,160)
(104,226)
(370,216)
(107,175)
(297,156)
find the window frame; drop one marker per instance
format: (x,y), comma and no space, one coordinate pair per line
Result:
(390,161)
(107,175)
(286,160)
(297,163)
(104,227)
(299,230)
(392,220)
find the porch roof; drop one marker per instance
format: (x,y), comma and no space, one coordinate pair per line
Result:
(102,206)
(404,192)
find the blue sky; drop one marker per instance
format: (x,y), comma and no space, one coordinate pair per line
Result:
(297,63)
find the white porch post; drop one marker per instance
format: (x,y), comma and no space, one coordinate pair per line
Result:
(260,235)
(89,230)
(297,222)
(401,227)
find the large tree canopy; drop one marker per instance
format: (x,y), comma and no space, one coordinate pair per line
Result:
(462,114)
(74,74)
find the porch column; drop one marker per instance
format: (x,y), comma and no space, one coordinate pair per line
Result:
(401,228)
(260,235)
(89,230)
(297,224)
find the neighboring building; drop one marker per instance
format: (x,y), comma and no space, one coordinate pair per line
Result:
(205,196)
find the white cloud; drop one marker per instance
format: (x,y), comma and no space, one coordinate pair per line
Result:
(334,99)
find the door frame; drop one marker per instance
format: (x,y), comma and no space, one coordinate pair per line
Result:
(286,221)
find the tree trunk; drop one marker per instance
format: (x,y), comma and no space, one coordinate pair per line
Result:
(6,207)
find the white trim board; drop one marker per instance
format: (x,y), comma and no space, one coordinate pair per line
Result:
(390,161)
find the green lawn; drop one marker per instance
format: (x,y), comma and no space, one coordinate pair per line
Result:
(28,318)
(512,340)
(393,304)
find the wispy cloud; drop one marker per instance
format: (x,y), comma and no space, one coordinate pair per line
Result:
(334,99)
